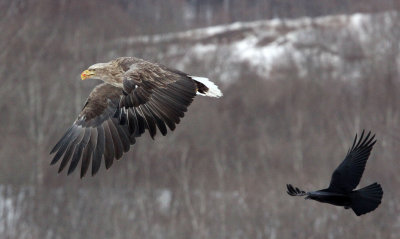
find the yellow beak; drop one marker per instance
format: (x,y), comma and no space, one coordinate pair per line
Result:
(86,74)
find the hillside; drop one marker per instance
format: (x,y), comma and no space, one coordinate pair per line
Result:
(338,47)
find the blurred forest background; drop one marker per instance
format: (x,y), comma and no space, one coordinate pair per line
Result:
(300,78)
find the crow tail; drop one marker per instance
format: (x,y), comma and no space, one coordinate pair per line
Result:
(366,199)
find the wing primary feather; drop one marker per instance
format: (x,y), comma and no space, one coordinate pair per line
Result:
(161,115)
(160,124)
(157,106)
(130,136)
(78,151)
(63,138)
(123,136)
(99,151)
(149,121)
(184,95)
(354,143)
(109,146)
(122,117)
(176,107)
(371,142)
(182,99)
(168,110)
(365,139)
(181,87)
(118,149)
(88,151)
(360,140)
(127,118)
(141,114)
(133,126)
(70,150)
(64,145)
(294,191)
(141,124)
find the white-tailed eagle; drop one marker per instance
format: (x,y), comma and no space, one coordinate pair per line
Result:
(136,96)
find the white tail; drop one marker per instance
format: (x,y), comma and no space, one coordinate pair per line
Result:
(213,90)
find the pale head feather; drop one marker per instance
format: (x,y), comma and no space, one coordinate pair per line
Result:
(98,66)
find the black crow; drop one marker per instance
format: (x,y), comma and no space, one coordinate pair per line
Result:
(346,178)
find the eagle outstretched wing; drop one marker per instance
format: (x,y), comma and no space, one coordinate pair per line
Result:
(96,133)
(159,94)
(152,97)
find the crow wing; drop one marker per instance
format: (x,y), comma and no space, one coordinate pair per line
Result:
(348,174)
(294,191)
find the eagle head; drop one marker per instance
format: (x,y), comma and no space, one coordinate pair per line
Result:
(107,72)
(96,71)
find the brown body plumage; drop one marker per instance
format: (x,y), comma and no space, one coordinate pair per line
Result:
(136,95)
